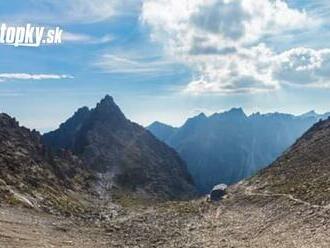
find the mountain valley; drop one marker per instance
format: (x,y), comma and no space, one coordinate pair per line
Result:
(66,189)
(230,146)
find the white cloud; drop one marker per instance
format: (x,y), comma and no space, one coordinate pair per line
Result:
(219,23)
(303,66)
(87,39)
(259,69)
(245,71)
(133,64)
(27,76)
(221,40)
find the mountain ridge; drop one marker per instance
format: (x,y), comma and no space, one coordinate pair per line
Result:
(123,152)
(230,146)
(284,205)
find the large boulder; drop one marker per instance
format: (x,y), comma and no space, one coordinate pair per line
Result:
(218,192)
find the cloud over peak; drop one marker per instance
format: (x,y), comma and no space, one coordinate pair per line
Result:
(223,42)
(303,66)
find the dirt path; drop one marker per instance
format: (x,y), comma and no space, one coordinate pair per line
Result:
(249,192)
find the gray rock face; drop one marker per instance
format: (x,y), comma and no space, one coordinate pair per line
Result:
(230,146)
(31,175)
(126,156)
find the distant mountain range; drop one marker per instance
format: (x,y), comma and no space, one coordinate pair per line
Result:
(99,152)
(111,182)
(227,147)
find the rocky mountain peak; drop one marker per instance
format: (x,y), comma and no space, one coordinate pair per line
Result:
(235,112)
(201,116)
(7,121)
(196,119)
(107,100)
(82,110)
(123,154)
(108,109)
(311,113)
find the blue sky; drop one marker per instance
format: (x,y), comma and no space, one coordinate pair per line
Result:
(168,60)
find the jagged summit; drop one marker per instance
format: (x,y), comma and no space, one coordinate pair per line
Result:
(106,102)
(82,110)
(238,111)
(196,119)
(313,112)
(201,115)
(107,108)
(6,120)
(234,113)
(125,155)
(107,99)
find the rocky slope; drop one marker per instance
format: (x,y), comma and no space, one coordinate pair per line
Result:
(125,156)
(227,147)
(302,172)
(31,175)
